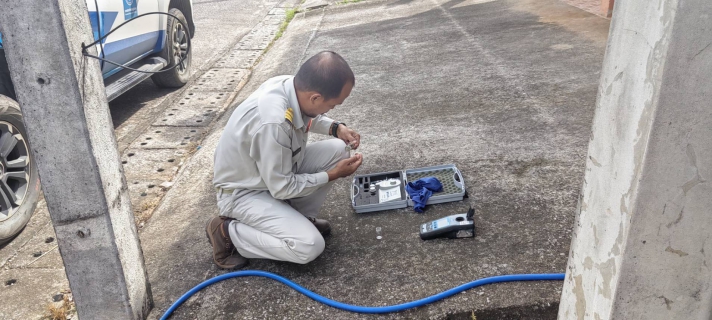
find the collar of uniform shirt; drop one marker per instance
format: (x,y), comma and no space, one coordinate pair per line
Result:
(299,119)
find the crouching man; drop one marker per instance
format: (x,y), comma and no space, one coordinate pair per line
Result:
(270,184)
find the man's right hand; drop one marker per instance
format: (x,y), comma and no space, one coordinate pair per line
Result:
(346,167)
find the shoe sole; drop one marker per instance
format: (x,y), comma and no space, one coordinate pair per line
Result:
(212,244)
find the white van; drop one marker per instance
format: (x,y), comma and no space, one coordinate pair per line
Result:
(148,43)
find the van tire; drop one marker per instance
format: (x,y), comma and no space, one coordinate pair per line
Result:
(14,220)
(176,47)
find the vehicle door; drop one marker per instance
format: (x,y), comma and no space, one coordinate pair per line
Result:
(133,41)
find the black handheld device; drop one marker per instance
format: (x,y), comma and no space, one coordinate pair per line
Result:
(453,227)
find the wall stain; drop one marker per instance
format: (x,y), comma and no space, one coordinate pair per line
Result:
(703,49)
(588,263)
(607,271)
(697,179)
(618,76)
(624,207)
(616,250)
(679,217)
(593,160)
(668,302)
(677,252)
(580,297)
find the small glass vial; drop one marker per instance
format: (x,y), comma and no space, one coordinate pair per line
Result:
(378,233)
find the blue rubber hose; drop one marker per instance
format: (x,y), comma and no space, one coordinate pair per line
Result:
(361,309)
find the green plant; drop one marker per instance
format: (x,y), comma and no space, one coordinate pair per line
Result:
(289,15)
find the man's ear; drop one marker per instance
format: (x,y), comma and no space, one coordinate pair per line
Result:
(315,97)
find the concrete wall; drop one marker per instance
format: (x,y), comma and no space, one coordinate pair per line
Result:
(643,224)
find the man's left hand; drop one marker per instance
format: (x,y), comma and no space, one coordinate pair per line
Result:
(349,136)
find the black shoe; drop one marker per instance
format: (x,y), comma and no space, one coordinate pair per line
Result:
(322,225)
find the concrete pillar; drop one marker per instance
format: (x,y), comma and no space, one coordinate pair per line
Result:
(644,222)
(607,7)
(71,135)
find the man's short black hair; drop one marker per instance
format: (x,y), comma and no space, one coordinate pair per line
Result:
(326,73)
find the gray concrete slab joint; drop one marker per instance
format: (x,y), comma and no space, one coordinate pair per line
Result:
(260,32)
(314,4)
(239,59)
(171,137)
(220,80)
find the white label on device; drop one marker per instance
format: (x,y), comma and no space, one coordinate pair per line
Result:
(389,194)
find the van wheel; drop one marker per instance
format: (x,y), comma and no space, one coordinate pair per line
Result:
(19,180)
(176,49)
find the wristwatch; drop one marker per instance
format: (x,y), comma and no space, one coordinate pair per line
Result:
(335,127)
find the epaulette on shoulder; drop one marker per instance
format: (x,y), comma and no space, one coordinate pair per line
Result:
(289,115)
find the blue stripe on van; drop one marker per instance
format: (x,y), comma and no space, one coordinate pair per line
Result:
(123,44)
(122,50)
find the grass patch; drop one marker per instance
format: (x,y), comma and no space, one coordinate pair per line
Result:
(289,15)
(349,1)
(63,309)
(145,209)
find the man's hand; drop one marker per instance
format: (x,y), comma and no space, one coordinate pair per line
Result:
(349,136)
(346,167)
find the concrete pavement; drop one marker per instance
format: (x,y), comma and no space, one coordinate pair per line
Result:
(503,89)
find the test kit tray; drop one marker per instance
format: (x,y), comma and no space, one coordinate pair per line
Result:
(386,190)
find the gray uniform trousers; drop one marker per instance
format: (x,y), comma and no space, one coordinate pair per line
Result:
(269,228)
